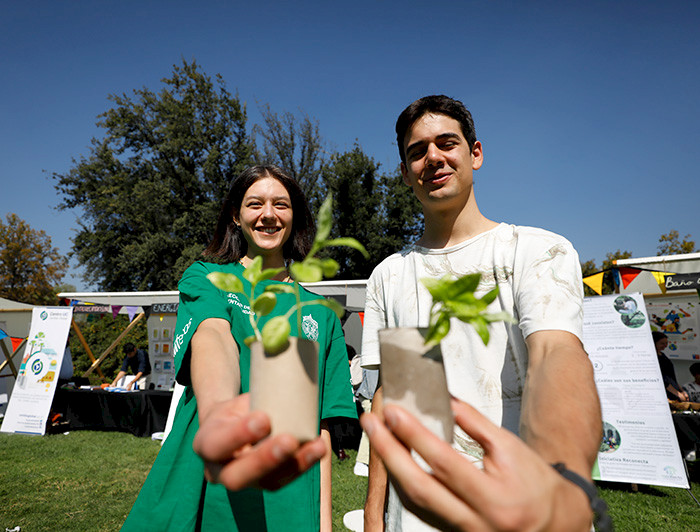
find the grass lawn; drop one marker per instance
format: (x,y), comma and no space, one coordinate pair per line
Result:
(87,481)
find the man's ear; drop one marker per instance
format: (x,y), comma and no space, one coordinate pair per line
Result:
(404,174)
(477,155)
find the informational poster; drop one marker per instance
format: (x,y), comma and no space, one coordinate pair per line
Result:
(161,324)
(639,441)
(678,317)
(30,402)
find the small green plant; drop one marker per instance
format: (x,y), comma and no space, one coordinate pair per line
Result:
(275,333)
(454,298)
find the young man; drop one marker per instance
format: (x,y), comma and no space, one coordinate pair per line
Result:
(533,378)
(137,361)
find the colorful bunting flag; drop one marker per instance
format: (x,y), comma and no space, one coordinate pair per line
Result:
(115,311)
(661,279)
(595,282)
(16,342)
(628,275)
(3,334)
(131,311)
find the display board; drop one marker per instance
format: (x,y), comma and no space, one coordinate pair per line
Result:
(639,440)
(161,324)
(30,403)
(678,317)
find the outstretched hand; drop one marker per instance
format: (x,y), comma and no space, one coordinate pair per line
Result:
(516,490)
(237,452)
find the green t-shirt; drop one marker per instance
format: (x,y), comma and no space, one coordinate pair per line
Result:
(175,495)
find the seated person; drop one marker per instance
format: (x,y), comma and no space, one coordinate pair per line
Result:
(674,391)
(137,361)
(693,387)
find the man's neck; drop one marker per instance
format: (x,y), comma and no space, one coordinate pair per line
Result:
(448,227)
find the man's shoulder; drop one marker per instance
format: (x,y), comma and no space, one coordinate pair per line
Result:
(526,232)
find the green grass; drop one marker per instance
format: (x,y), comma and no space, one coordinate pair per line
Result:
(87,481)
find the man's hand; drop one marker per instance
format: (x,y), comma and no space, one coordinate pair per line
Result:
(516,490)
(236,452)
(130,385)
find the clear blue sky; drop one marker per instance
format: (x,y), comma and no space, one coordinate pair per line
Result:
(589,115)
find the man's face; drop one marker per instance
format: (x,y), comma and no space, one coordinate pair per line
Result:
(132,353)
(439,164)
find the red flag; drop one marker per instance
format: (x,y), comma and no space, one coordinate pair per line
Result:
(628,275)
(16,343)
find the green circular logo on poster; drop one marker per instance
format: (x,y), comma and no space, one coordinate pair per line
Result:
(44,315)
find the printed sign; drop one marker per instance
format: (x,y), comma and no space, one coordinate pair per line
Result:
(32,395)
(639,440)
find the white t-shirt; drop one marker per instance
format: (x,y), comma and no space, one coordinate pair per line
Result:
(539,278)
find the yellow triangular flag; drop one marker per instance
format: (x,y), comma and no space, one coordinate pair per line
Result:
(595,282)
(661,279)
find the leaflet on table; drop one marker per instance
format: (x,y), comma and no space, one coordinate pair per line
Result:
(32,395)
(639,440)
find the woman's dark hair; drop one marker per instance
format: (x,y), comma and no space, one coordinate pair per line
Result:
(658,335)
(229,244)
(437,104)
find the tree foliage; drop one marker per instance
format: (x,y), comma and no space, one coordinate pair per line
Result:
(99,331)
(151,188)
(30,267)
(294,144)
(378,210)
(671,244)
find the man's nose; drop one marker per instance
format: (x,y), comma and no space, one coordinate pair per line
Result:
(433,155)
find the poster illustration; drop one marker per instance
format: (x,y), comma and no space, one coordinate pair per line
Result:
(677,317)
(639,442)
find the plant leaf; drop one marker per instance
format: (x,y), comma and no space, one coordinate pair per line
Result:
(306,272)
(275,335)
(333,305)
(481,328)
(325,220)
(490,296)
(226,282)
(465,284)
(438,330)
(347,242)
(329,267)
(253,270)
(499,316)
(264,303)
(268,273)
(280,288)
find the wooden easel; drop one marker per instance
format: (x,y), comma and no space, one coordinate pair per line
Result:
(8,358)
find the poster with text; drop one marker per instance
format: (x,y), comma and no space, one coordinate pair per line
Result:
(639,441)
(677,317)
(32,395)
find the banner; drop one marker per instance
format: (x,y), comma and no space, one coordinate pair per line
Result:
(683,281)
(639,440)
(30,402)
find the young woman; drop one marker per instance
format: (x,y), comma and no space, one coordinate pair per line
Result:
(264,214)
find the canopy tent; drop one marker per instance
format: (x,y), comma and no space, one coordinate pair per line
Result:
(646,278)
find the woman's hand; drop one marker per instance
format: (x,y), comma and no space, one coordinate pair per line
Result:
(516,490)
(237,453)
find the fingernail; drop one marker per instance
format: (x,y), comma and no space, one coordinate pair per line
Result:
(256,426)
(279,451)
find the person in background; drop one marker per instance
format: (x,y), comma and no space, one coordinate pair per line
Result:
(693,387)
(137,361)
(674,391)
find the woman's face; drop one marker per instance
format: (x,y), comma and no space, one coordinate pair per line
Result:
(266,218)
(661,344)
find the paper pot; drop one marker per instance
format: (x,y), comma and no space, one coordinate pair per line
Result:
(285,387)
(413,377)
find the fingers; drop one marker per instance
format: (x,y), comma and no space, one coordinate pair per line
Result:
(225,431)
(418,490)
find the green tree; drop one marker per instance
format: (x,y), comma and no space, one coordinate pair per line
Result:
(30,267)
(294,144)
(150,189)
(671,244)
(370,207)
(100,330)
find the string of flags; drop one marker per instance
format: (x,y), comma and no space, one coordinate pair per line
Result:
(624,275)
(82,307)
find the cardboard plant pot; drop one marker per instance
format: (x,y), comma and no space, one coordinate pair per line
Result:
(413,377)
(285,387)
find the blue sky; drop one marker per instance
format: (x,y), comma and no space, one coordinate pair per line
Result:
(589,112)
